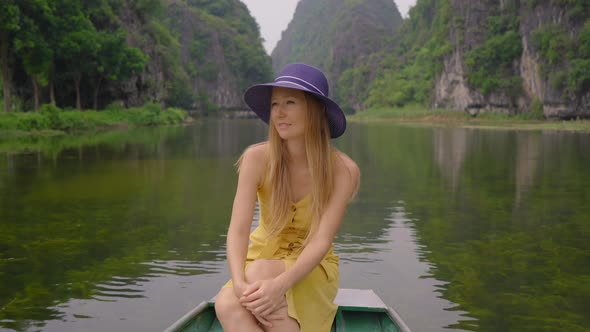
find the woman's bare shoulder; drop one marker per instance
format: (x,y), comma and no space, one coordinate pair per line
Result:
(345,164)
(253,161)
(257,151)
(347,174)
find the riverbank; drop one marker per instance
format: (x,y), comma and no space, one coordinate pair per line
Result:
(53,121)
(53,144)
(418,115)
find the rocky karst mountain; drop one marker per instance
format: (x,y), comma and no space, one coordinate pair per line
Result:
(547,68)
(202,54)
(220,50)
(337,35)
(519,57)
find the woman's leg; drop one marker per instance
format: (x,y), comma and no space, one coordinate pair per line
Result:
(263,269)
(231,314)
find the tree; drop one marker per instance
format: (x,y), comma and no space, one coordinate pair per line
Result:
(9,24)
(115,60)
(77,44)
(31,45)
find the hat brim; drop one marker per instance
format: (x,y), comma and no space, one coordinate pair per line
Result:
(257,97)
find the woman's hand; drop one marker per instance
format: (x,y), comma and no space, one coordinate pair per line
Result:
(264,297)
(239,288)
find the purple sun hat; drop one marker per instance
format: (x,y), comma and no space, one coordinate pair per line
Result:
(301,77)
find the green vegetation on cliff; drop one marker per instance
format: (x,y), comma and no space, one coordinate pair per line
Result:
(405,89)
(424,43)
(491,64)
(559,49)
(221,51)
(407,74)
(478,56)
(89,54)
(344,39)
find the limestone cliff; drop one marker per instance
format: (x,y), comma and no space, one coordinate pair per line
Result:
(553,84)
(222,55)
(337,35)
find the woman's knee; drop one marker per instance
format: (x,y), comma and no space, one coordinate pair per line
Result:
(226,303)
(231,314)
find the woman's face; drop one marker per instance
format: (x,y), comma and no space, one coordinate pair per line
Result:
(288,108)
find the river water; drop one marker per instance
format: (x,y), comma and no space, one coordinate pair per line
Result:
(457,229)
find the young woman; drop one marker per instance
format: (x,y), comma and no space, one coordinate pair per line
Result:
(285,274)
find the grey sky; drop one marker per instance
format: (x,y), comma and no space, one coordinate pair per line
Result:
(273,16)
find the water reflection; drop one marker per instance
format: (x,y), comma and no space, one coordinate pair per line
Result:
(449,147)
(97,222)
(505,239)
(458,229)
(528,152)
(396,269)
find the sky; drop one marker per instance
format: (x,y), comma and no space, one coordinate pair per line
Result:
(273,16)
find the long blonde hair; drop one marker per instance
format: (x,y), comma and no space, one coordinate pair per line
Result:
(320,162)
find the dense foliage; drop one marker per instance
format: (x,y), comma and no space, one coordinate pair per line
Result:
(69,47)
(490,50)
(567,58)
(491,64)
(87,54)
(408,73)
(53,118)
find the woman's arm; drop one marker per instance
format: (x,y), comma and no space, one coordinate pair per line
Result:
(263,297)
(250,172)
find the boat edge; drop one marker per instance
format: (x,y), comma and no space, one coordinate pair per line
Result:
(205,304)
(187,317)
(398,320)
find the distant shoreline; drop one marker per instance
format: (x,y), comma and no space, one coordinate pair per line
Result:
(448,118)
(53,121)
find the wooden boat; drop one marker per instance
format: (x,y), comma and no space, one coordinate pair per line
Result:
(358,310)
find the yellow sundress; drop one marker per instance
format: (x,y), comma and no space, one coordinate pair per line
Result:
(311,300)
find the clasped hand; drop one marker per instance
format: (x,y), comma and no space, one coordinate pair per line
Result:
(263,299)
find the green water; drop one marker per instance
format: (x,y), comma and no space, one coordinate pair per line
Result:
(457,229)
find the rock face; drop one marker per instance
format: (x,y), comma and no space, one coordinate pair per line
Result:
(215,55)
(148,85)
(336,35)
(210,75)
(451,86)
(555,104)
